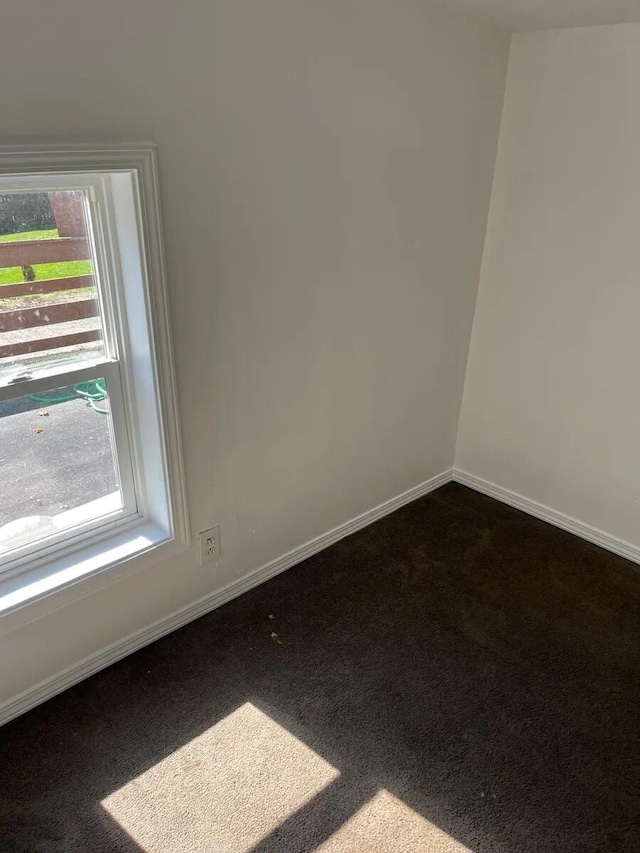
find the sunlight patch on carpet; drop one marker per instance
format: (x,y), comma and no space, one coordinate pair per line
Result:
(386,824)
(224,790)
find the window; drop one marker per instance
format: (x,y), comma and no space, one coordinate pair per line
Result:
(89,448)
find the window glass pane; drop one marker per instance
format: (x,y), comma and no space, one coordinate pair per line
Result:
(49,308)
(57,461)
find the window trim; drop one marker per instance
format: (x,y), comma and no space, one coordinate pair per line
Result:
(162,520)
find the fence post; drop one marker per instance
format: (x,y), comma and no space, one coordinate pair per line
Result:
(68,212)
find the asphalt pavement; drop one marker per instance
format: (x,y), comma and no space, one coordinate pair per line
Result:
(52,457)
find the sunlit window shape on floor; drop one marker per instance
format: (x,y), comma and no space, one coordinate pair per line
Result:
(224,790)
(245,780)
(384,825)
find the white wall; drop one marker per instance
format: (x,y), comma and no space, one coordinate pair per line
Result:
(326,170)
(552,401)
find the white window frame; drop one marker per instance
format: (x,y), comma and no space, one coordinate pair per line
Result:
(121,180)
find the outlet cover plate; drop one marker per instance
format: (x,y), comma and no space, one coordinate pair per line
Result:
(209,546)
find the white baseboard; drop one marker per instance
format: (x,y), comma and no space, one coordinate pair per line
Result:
(552,516)
(120,649)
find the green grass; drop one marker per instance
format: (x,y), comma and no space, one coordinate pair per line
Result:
(28,235)
(67,269)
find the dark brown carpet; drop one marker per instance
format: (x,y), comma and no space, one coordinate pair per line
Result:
(480,666)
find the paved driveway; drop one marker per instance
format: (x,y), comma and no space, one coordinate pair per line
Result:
(54,461)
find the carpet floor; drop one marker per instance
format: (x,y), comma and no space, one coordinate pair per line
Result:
(456,677)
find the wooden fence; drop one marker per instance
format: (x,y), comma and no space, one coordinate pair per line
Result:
(71,245)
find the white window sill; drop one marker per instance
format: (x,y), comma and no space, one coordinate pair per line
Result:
(48,576)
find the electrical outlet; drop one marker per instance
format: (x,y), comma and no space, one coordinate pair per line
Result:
(209,545)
